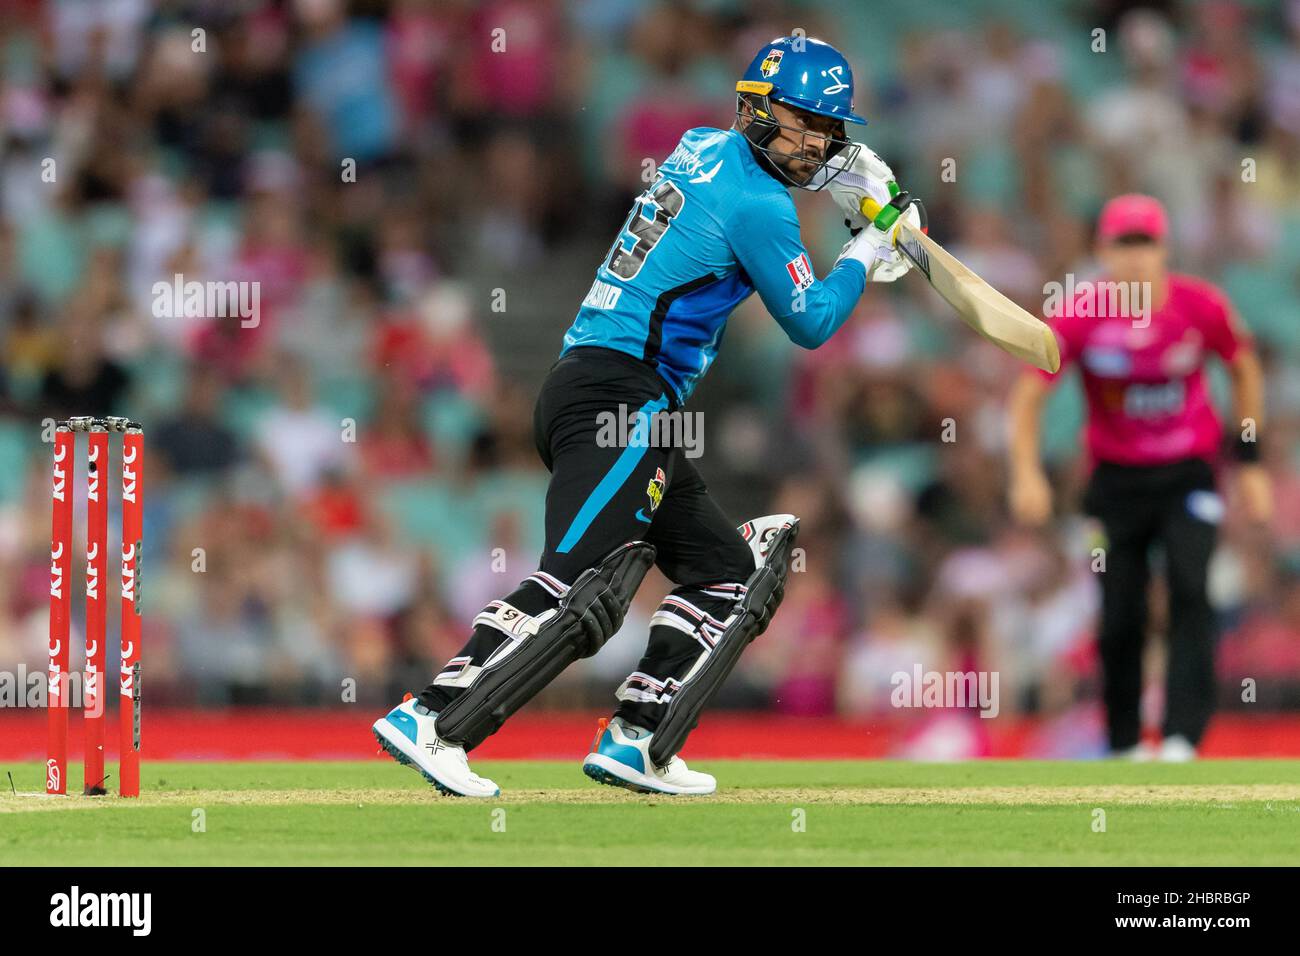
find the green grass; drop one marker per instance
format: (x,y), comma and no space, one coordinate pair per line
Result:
(856,813)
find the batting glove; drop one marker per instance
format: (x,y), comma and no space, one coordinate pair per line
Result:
(866,176)
(875,245)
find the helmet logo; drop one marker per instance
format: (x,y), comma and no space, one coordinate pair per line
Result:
(771,63)
(837,80)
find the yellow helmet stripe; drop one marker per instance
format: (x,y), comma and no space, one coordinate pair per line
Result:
(754,86)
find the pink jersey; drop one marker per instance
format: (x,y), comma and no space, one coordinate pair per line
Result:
(1148,403)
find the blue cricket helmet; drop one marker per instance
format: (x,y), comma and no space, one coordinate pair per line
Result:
(804,73)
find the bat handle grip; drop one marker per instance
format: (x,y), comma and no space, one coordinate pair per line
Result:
(884,217)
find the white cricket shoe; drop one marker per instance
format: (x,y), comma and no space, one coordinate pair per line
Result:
(622,759)
(409,735)
(1138,753)
(1177,749)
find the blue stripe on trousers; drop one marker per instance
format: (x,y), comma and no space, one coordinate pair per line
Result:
(614,478)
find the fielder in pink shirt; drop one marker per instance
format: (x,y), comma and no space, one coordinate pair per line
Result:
(1141,336)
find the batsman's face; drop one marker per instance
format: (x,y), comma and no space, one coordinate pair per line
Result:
(1134,259)
(803,139)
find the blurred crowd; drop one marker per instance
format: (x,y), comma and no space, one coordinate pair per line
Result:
(423,189)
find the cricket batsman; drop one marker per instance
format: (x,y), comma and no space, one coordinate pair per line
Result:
(717,224)
(1153,438)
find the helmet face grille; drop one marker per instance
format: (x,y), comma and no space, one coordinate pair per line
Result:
(760,126)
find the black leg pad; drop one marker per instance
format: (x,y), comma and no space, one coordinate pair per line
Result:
(750,618)
(589,615)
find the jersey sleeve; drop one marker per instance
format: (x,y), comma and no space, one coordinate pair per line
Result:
(764,235)
(1225,334)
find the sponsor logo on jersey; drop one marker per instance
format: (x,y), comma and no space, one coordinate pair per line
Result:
(1107,362)
(708,177)
(771,64)
(1143,400)
(801,273)
(684,159)
(1183,356)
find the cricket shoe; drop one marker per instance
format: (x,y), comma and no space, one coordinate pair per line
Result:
(621,758)
(1177,749)
(410,736)
(1138,753)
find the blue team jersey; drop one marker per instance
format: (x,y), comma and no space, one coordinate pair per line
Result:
(712,228)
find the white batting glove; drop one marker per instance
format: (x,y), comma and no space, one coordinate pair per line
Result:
(869,178)
(874,248)
(896,264)
(866,176)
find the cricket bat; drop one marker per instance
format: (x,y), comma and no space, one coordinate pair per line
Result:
(982,307)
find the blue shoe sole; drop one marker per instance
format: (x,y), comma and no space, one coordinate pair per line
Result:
(601,775)
(406,761)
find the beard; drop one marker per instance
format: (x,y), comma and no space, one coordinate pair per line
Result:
(800,168)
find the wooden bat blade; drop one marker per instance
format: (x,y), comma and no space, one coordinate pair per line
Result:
(982,307)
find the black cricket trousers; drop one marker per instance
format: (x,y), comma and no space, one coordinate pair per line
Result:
(605,493)
(1176,506)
